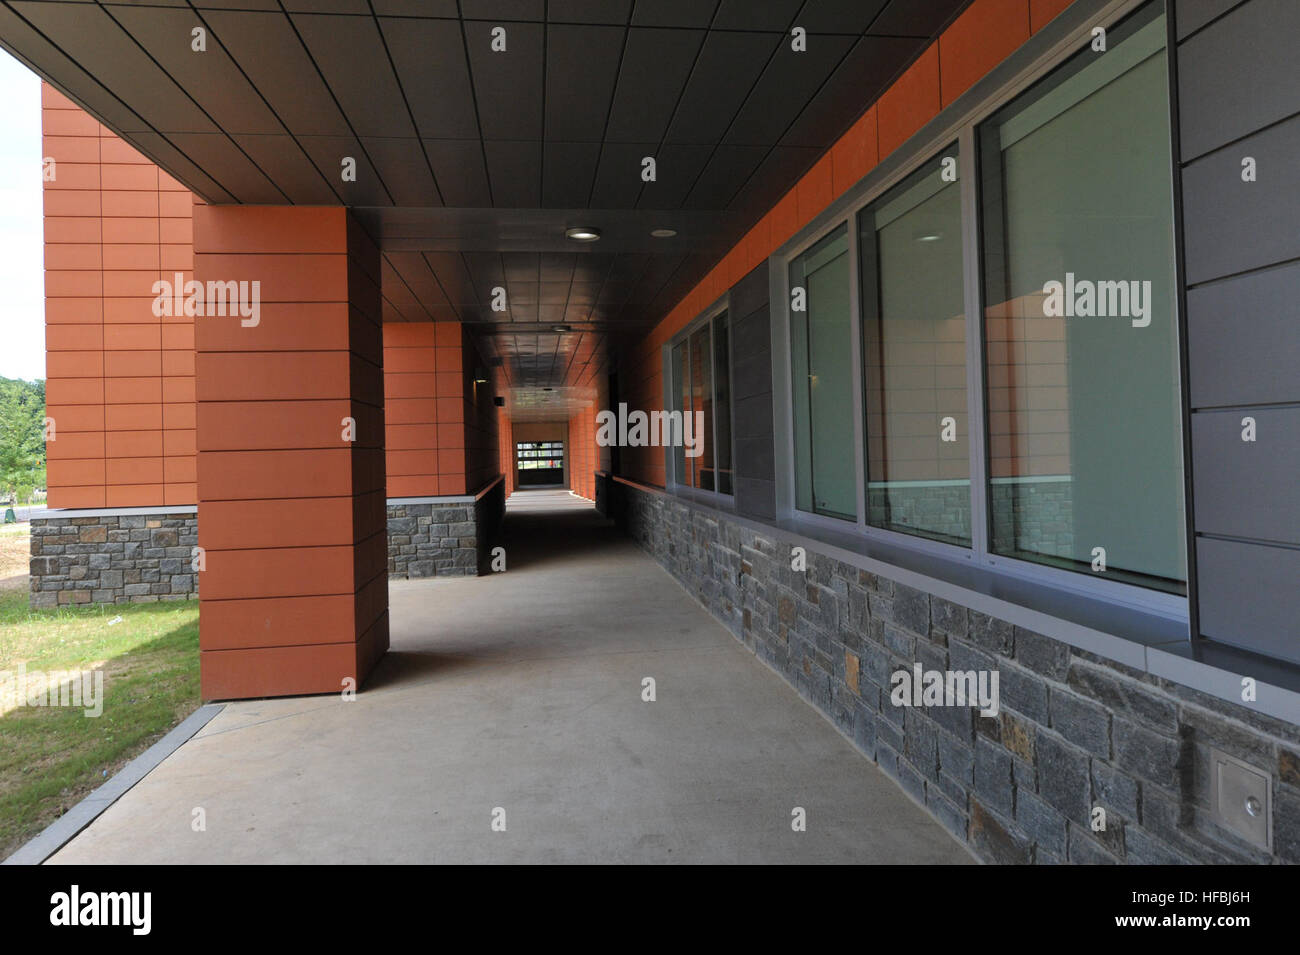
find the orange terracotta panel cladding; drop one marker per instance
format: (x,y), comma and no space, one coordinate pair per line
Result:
(1043,12)
(104,249)
(910,103)
(297,505)
(978,40)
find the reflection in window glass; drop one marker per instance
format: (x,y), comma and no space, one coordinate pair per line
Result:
(914,356)
(722,402)
(701,467)
(700,366)
(681,404)
(822,377)
(1081,349)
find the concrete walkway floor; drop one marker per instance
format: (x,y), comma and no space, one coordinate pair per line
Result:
(522,692)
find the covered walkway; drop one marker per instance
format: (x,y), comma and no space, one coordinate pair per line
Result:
(522,692)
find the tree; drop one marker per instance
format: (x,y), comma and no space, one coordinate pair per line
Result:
(22,437)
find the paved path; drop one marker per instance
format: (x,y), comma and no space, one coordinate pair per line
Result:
(522,692)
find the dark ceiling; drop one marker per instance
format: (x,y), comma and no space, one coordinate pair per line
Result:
(471,163)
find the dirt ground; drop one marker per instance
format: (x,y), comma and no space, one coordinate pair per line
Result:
(15,553)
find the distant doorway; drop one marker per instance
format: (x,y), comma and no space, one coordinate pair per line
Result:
(539,463)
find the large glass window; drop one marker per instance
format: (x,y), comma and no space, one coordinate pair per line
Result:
(914,355)
(822,376)
(700,366)
(1084,428)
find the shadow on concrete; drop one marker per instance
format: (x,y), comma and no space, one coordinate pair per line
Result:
(553,527)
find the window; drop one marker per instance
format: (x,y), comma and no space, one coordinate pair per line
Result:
(700,366)
(539,455)
(1054,437)
(1082,366)
(821,354)
(914,355)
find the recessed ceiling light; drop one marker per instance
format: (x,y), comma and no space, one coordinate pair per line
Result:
(582,234)
(548,389)
(663,233)
(561,328)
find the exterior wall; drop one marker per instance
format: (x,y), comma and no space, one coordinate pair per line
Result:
(432,540)
(751,385)
(292,520)
(424,416)
(480,415)
(977,41)
(506,450)
(1074,732)
(120,379)
(1242,274)
(440,425)
(114,558)
(581,451)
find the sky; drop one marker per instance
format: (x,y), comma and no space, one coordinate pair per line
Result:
(22,236)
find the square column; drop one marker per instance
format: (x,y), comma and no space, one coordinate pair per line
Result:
(290,433)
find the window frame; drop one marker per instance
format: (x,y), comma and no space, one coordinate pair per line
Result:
(721,307)
(957,124)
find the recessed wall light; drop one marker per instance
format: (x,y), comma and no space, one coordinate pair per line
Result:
(582,234)
(663,233)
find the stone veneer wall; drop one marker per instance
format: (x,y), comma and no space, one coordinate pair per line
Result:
(113,558)
(432,540)
(1075,730)
(137,558)
(443,539)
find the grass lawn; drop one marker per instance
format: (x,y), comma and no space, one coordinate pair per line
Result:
(50,757)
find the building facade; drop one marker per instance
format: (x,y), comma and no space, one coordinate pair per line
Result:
(976,315)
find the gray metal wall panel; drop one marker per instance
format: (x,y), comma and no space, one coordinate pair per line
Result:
(753,418)
(759,497)
(1249,596)
(1248,488)
(1242,341)
(751,386)
(750,293)
(1238,75)
(1194,14)
(1238,97)
(1233,226)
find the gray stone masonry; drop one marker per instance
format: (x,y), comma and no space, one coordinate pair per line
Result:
(139,558)
(1075,731)
(113,559)
(432,540)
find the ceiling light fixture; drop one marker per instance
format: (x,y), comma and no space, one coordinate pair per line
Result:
(561,328)
(582,234)
(663,233)
(929,236)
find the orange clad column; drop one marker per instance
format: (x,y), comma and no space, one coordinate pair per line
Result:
(292,521)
